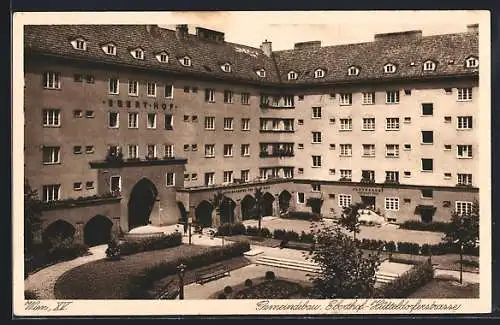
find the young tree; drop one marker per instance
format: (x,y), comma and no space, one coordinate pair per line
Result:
(345,271)
(259,200)
(32,215)
(350,219)
(463,231)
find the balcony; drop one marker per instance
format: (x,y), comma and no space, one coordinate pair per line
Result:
(274,106)
(277,130)
(367,181)
(116,160)
(277,153)
(345,179)
(391,181)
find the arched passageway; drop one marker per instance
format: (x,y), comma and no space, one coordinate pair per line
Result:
(97,231)
(203,214)
(284,201)
(227,211)
(141,202)
(267,204)
(182,210)
(57,231)
(248,208)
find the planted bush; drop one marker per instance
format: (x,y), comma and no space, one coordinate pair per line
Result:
(432,226)
(279,234)
(270,275)
(221,296)
(390,246)
(248,283)
(228,229)
(301,215)
(306,237)
(166,241)
(228,289)
(252,231)
(265,232)
(113,250)
(292,236)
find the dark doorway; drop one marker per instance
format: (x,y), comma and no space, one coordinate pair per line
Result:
(427,213)
(284,201)
(203,214)
(368,202)
(141,202)
(58,231)
(267,204)
(184,214)
(227,211)
(97,231)
(248,208)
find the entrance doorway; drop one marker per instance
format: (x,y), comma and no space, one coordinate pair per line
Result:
(141,202)
(427,213)
(267,204)
(368,202)
(203,214)
(97,231)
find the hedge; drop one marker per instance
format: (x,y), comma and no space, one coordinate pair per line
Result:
(231,229)
(42,256)
(407,283)
(432,226)
(139,284)
(151,244)
(303,215)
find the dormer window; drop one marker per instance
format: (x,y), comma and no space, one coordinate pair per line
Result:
(319,73)
(389,68)
(162,57)
(471,62)
(429,65)
(292,75)
(138,54)
(226,67)
(79,44)
(261,73)
(352,71)
(109,49)
(186,61)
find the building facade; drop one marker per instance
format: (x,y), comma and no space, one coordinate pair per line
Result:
(154,122)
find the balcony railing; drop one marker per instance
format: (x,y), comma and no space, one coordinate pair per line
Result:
(264,154)
(367,180)
(276,130)
(391,181)
(345,179)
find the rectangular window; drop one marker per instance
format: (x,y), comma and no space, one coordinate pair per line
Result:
(113,86)
(369,123)
(89,185)
(228,177)
(133,120)
(89,79)
(115,184)
(392,176)
(77,78)
(210,150)
(316,161)
(316,187)
(209,179)
(464,179)
(447,119)
(228,123)
(133,88)
(316,137)
(392,203)
(113,120)
(245,124)
(151,121)
(51,155)
(186,89)
(209,122)
(228,96)
(51,192)
(151,89)
(345,200)
(77,113)
(464,122)
(392,97)
(345,99)
(89,149)
(427,109)
(245,175)
(427,193)
(77,149)
(464,94)
(287,172)
(447,175)
(346,150)
(194,176)
(407,174)
(346,124)
(368,150)
(407,147)
(301,198)
(210,95)
(263,173)
(151,151)
(245,150)
(368,175)
(51,117)
(52,80)
(228,150)
(89,114)
(245,98)
(288,101)
(346,174)
(427,164)
(407,119)
(392,150)
(186,177)
(427,137)
(463,207)
(316,112)
(169,122)
(169,91)
(133,151)
(170,179)
(368,98)
(392,123)
(464,151)
(169,151)
(300,146)
(300,122)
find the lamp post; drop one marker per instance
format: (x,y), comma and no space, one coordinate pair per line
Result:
(180,272)
(159,211)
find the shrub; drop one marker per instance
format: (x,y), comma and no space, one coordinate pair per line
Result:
(301,215)
(248,283)
(231,229)
(292,236)
(238,229)
(279,234)
(113,250)
(30,295)
(417,225)
(228,289)
(390,246)
(221,296)
(270,275)
(408,248)
(265,232)
(306,237)
(166,241)
(65,250)
(407,283)
(252,231)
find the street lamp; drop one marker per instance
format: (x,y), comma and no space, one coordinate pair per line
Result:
(159,211)
(181,268)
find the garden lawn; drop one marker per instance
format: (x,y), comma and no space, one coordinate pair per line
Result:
(255,240)
(441,288)
(105,279)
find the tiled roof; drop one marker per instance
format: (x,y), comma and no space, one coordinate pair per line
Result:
(408,54)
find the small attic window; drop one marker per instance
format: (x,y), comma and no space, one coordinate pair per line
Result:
(79,44)
(162,57)
(138,54)
(261,73)
(226,67)
(292,75)
(109,49)
(352,71)
(389,68)
(429,65)
(471,62)
(319,73)
(186,61)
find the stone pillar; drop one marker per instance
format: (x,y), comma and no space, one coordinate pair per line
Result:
(237,212)
(215,218)
(276,206)
(115,230)
(79,232)
(293,202)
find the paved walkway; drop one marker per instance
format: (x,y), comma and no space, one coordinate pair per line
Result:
(468,277)
(43,281)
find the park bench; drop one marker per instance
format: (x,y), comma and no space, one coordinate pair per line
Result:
(211,273)
(298,245)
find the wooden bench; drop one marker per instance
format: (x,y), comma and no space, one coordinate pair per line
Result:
(211,273)
(298,245)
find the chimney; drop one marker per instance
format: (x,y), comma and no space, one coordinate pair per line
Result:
(410,35)
(473,28)
(152,29)
(267,48)
(181,31)
(307,45)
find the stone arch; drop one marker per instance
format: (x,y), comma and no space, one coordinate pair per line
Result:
(183,212)
(267,204)
(58,230)
(97,231)
(141,202)
(227,210)
(284,201)
(249,208)
(203,214)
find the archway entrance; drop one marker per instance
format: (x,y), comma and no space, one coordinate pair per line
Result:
(248,208)
(284,201)
(141,202)
(59,230)
(203,214)
(267,204)
(97,231)
(227,211)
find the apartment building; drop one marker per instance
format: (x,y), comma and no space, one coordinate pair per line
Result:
(141,124)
